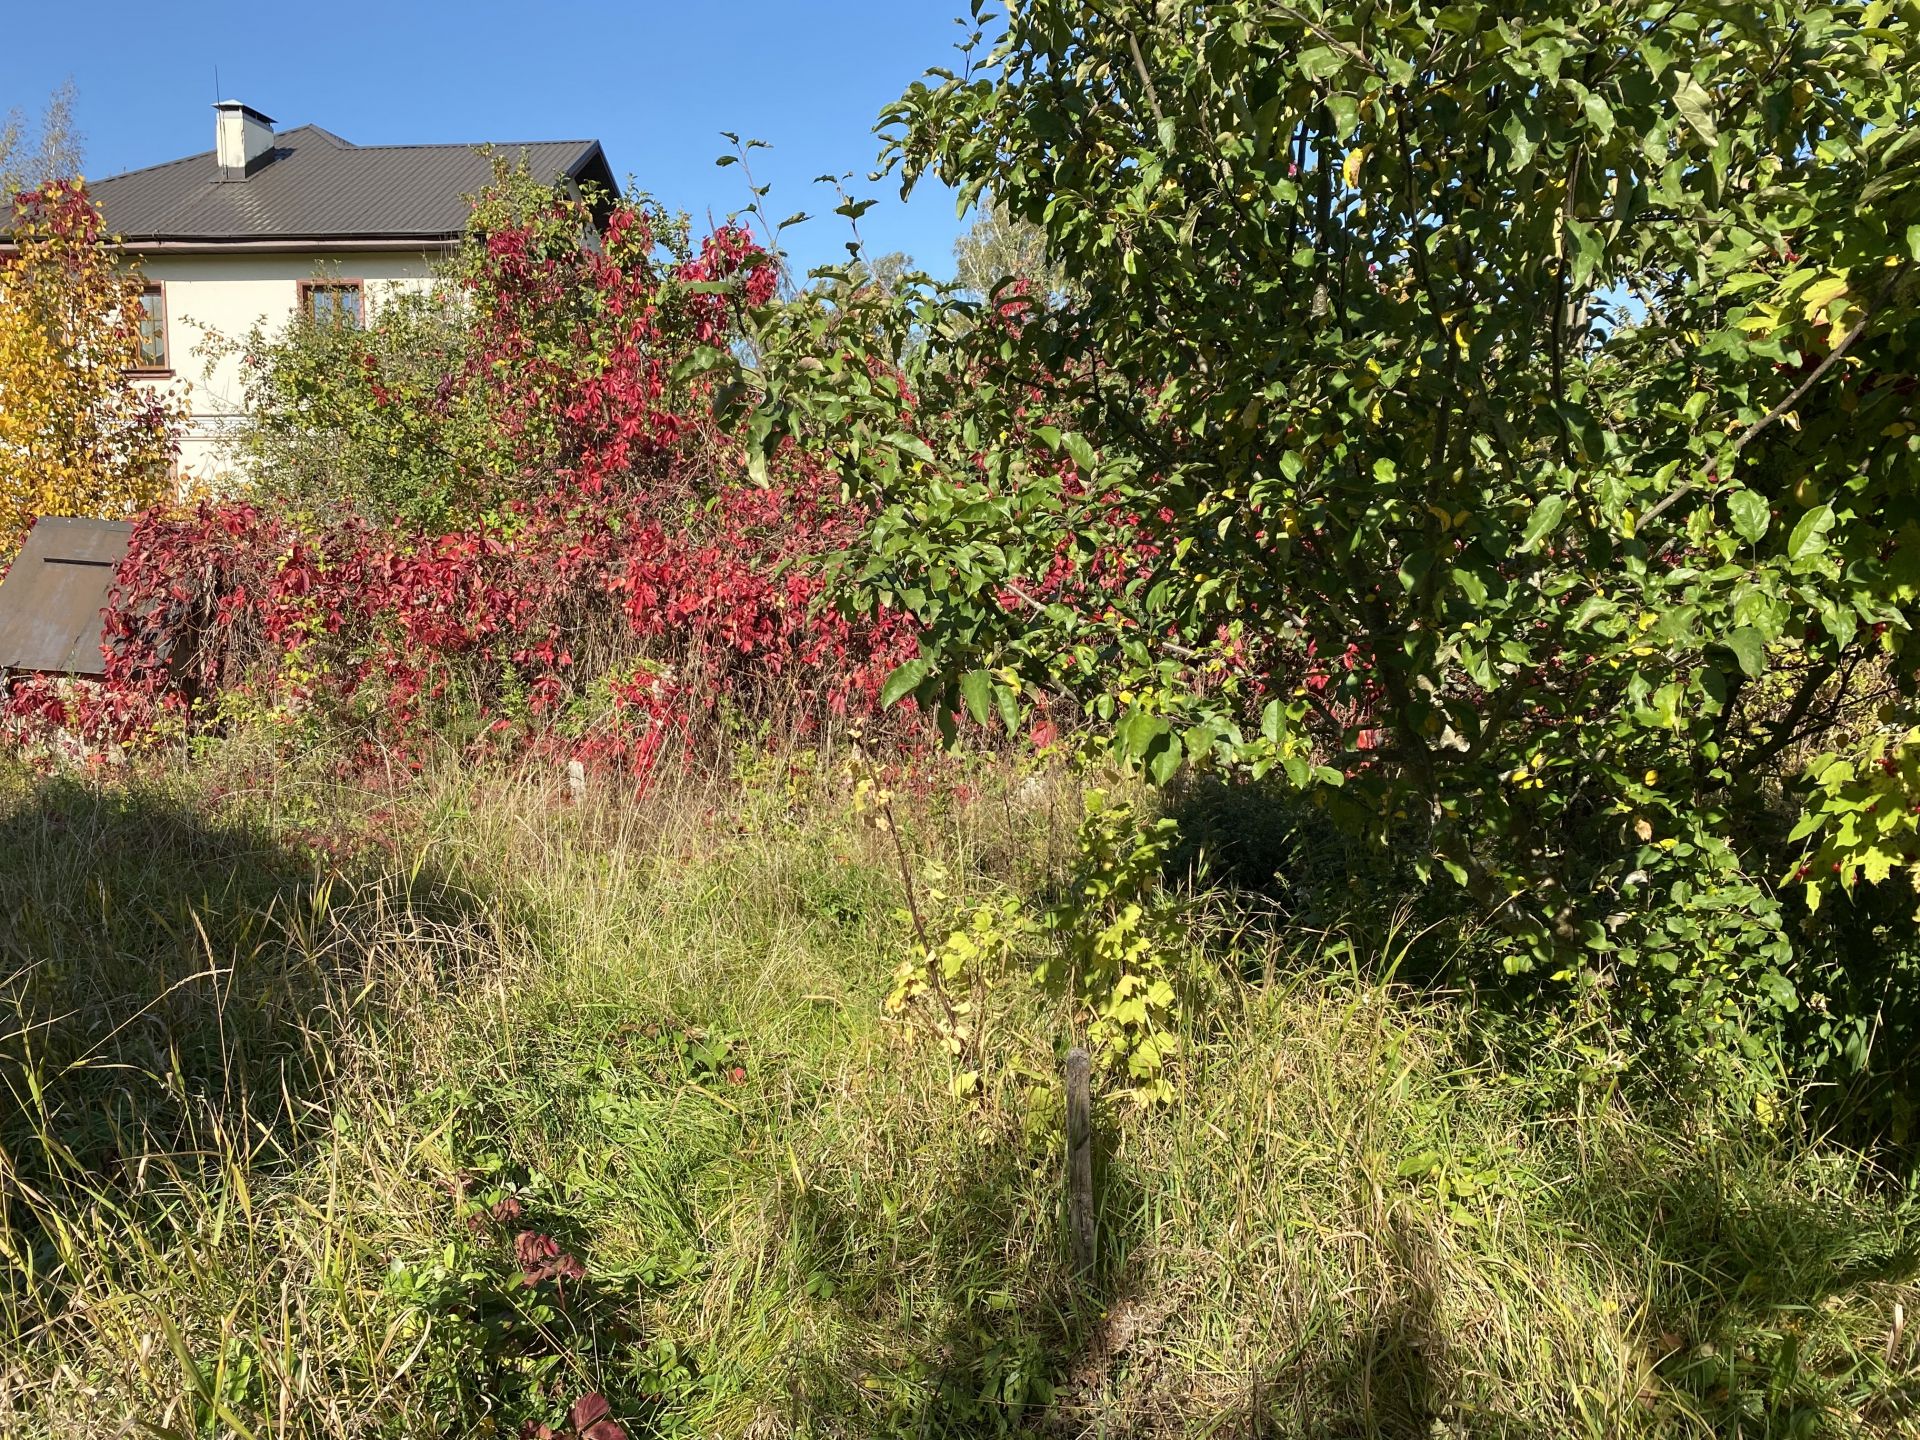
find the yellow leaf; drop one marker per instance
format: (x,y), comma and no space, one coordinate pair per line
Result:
(1842,323)
(1821,294)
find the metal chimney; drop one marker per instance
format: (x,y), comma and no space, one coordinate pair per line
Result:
(243,139)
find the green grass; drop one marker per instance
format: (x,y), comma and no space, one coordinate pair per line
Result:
(272,1046)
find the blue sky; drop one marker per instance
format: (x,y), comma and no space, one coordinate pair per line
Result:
(655,82)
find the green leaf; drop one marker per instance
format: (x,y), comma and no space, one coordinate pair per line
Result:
(1695,106)
(1137,731)
(1584,428)
(1414,1166)
(1591,609)
(1317,62)
(1164,764)
(1751,515)
(1779,989)
(911,444)
(1599,114)
(976,688)
(1346,114)
(1273,720)
(1009,708)
(904,680)
(1810,535)
(1749,648)
(1822,293)
(1545,519)
(1080,452)
(1523,144)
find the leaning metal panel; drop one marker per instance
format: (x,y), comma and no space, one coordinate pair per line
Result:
(51,600)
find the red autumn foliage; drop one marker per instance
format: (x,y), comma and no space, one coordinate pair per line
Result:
(589,1418)
(541,1259)
(629,585)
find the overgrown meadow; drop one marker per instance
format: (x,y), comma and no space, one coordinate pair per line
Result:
(346,1110)
(1381,609)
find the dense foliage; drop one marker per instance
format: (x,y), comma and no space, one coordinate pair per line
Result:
(558,549)
(1498,425)
(1496,428)
(78,436)
(364,419)
(1464,456)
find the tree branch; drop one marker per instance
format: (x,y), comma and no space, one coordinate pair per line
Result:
(1746,436)
(1140,64)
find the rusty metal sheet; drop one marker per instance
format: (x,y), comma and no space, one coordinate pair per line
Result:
(51,600)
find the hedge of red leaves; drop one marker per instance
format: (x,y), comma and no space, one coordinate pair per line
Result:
(627,585)
(586,622)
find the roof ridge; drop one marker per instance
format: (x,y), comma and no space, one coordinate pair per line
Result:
(322,132)
(474,144)
(278,136)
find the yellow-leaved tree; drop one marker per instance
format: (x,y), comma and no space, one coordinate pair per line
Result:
(78,435)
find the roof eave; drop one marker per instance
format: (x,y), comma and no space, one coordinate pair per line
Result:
(211,245)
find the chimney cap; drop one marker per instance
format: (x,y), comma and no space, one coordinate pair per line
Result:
(244,109)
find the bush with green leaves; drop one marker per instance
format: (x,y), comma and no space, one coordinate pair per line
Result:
(1499,423)
(1114,948)
(371,418)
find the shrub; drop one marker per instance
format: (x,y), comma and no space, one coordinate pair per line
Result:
(372,420)
(77,435)
(583,566)
(1502,431)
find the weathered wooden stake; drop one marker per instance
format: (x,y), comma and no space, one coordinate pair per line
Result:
(1080,1156)
(577,781)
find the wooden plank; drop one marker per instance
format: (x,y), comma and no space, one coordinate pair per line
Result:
(1080,1156)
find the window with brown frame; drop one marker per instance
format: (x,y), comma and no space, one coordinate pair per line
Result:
(153,329)
(333,302)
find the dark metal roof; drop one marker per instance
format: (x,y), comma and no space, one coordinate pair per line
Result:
(51,600)
(319,187)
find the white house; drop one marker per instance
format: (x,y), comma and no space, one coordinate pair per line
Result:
(266,224)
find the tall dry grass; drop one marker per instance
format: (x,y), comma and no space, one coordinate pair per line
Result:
(274,1046)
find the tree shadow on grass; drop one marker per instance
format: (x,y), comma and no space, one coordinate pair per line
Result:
(974,1325)
(1746,1279)
(963,1329)
(1376,1380)
(174,992)
(1297,885)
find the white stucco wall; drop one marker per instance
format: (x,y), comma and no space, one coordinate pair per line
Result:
(226,295)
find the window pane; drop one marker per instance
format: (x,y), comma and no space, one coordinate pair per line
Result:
(153,330)
(334,303)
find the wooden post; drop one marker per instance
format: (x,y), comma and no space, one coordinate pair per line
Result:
(1080,1156)
(577,781)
